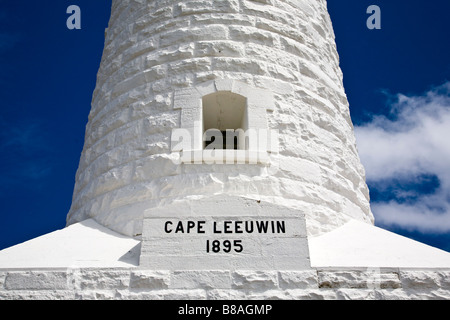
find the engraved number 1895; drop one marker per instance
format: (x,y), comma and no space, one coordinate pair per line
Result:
(226,246)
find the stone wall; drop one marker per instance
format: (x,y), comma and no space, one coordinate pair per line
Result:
(134,283)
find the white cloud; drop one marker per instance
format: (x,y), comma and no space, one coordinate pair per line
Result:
(413,141)
(413,217)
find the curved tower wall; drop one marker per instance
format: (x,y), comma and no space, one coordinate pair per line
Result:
(162,58)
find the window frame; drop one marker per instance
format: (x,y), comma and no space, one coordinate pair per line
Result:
(191,147)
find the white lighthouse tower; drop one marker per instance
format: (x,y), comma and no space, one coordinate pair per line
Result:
(220,161)
(174,74)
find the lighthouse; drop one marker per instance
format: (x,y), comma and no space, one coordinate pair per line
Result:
(220,162)
(241,102)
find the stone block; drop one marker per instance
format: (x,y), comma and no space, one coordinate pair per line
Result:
(93,295)
(174,53)
(226,294)
(298,279)
(254,35)
(267,295)
(101,279)
(157,15)
(423,279)
(196,294)
(444,280)
(149,279)
(271,12)
(155,73)
(128,84)
(205,6)
(371,279)
(223,18)
(36,280)
(183,35)
(283,29)
(219,49)
(200,280)
(255,280)
(190,65)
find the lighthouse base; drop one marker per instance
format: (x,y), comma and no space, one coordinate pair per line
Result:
(355,262)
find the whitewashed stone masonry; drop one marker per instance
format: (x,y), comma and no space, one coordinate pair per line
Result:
(156,49)
(138,284)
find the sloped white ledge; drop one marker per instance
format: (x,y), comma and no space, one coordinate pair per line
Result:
(361,245)
(85,244)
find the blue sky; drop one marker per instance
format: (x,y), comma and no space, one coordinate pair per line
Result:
(396,79)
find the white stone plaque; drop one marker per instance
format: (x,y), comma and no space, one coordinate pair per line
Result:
(240,240)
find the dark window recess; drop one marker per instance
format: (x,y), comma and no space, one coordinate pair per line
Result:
(224,134)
